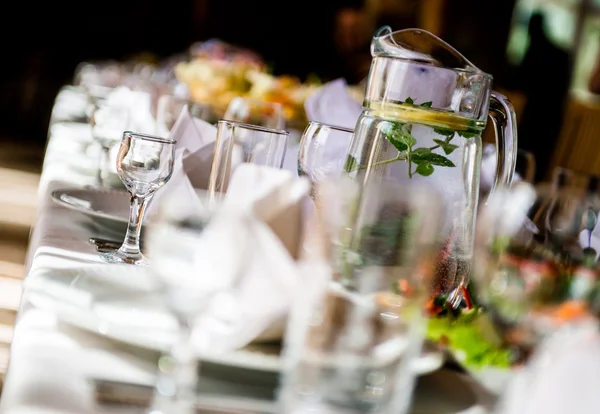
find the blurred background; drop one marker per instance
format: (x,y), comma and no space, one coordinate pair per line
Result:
(543,54)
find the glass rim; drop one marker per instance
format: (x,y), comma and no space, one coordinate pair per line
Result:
(334,127)
(148,137)
(257,128)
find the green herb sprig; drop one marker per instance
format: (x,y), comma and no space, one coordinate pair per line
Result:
(420,160)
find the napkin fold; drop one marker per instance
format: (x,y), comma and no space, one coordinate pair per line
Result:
(333,104)
(249,249)
(193,161)
(274,196)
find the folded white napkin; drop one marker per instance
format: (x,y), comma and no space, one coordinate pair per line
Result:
(332,104)
(193,161)
(247,254)
(273,196)
(561,377)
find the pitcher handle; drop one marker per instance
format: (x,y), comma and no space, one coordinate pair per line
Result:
(503,116)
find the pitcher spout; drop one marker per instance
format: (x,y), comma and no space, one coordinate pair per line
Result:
(419,46)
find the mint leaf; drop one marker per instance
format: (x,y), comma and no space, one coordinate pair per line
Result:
(443,131)
(409,101)
(400,145)
(467,134)
(446,146)
(428,157)
(401,139)
(426,104)
(350,163)
(420,153)
(424,169)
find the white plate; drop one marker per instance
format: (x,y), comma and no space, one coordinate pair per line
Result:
(495,380)
(128,310)
(108,208)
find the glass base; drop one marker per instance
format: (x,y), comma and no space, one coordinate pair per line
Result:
(121,257)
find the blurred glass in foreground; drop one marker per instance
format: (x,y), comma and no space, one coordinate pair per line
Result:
(357,324)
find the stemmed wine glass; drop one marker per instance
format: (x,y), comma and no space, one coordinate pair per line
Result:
(96,80)
(323,150)
(144,164)
(237,143)
(256,112)
(107,125)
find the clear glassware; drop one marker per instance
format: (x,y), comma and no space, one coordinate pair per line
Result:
(424,111)
(535,273)
(524,168)
(106,74)
(525,165)
(176,245)
(564,177)
(323,150)
(169,108)
(256,112)
(97,79)
(357,325)
(107,126)
(238,143)
(144,164)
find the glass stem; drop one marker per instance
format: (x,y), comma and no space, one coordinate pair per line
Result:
(131,244)
(177,380)
(103,167)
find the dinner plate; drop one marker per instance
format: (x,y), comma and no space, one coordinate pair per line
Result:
(130,310)
(493,379)
(108,208)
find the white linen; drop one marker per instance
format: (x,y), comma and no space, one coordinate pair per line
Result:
(51,362)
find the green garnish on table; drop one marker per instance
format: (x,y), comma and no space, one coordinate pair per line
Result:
(470,336)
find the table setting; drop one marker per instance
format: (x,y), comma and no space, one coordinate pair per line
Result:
(212,238)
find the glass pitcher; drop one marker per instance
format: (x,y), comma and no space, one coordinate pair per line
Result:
(424,111)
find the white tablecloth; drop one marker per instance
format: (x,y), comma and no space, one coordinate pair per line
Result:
(52,363)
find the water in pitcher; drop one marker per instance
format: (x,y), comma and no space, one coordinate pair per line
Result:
(411,141)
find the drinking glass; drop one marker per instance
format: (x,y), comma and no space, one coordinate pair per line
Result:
(100,74)
(96,80)
(323,150)
(256,112)
(564,177)
(237,143)
(144,164)
(169,108)
(107,124)
(525,165)
(535,272)
(177,245)
(357,324)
